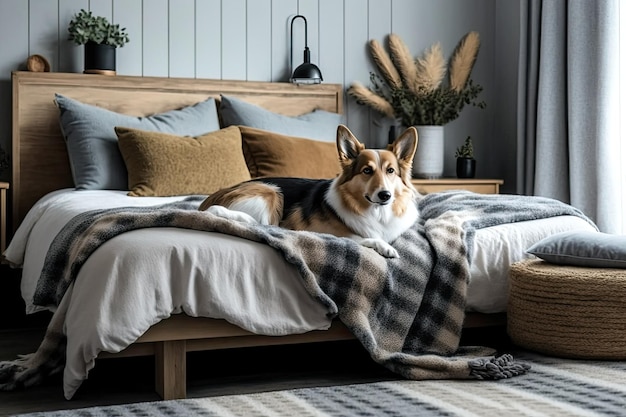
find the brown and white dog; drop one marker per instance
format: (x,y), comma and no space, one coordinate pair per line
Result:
(372,201)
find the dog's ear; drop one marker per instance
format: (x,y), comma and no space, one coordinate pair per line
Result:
(348,146)
(405,145)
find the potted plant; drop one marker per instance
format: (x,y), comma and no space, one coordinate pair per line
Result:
(426,92)
(465,162)
(100,37)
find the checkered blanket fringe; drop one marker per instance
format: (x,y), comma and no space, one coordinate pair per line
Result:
(407,312)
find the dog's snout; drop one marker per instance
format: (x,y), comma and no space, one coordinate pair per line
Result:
(384,195)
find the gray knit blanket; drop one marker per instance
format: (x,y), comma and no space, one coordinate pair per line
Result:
(407,312)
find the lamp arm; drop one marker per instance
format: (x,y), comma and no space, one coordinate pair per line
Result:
(306,43)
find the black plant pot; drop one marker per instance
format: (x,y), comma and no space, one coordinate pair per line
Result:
(465,167)
(99,59)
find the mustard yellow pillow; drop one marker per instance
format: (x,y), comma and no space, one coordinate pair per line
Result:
(270,154)
(161,164)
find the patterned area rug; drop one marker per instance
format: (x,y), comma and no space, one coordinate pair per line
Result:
(554,387)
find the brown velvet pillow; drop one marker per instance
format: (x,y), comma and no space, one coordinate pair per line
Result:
(270,154)
(161,164)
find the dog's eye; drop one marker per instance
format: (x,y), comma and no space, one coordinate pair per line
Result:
(368,171)
(390,170)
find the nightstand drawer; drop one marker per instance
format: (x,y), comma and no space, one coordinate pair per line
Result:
(482,186)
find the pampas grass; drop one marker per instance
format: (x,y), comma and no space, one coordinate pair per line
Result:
(463,60)
(431,68)
(366,96)
(415,91)
(404,62)
(384,64)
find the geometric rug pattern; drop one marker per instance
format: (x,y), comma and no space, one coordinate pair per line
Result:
(553,387)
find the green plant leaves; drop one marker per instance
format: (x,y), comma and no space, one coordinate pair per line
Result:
(85,27)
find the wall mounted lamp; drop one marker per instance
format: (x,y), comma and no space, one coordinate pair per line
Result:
(305,73)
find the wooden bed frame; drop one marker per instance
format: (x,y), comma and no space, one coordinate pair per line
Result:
(40,165)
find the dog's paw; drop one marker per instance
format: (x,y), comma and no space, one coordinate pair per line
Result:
(225,213)
(380,246)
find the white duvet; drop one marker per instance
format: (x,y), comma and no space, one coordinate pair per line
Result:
(141,277)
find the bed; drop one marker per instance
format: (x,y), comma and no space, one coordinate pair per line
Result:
(44,200)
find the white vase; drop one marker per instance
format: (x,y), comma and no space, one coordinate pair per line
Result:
(428,161)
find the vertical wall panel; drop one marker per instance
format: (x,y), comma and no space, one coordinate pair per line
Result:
(282,12)
(155,38)
(208,39)
(497,152)
(234,39)
(310,10)
(259,40)
(102,8)
(14,21)
(44,31)
(13,54)
(405,17)
(379,28)
(70,55)
(182,38)
(356,65)
(127,13)
(331,59)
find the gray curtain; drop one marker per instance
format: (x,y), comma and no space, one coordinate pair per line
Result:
(568,137)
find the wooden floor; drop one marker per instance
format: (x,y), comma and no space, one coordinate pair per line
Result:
(240,371)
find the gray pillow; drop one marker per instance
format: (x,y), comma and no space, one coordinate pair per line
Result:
(582,248)
(95,158)
(318,124)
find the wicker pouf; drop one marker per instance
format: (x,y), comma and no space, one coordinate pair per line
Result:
(568,311)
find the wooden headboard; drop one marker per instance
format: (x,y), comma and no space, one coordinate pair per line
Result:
(39,156)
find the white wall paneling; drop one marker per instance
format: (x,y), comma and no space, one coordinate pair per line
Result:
(234,39)
(379,28)
(310,10)
(331,41)
(155,38)
(259,40)
(128,14)
(13,54)
(356,65)
(282,12)
(71,57)
(249,40)
(182,37)
(43,30)
(102,8)
(209,39)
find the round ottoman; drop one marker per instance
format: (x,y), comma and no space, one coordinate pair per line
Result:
(568,311)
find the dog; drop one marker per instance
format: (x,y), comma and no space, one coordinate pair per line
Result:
(371,201)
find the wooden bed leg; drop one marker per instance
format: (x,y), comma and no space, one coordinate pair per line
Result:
(171,369)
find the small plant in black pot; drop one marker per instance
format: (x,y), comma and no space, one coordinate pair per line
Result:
(100,37)
(465,162)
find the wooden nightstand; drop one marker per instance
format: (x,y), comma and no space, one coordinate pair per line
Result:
(4,186)
(483,186)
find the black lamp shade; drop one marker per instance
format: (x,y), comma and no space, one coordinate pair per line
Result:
(305,73)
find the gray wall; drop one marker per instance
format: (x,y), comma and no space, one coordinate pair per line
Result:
(249,40)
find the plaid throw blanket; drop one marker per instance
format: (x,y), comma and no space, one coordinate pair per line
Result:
(407,312)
